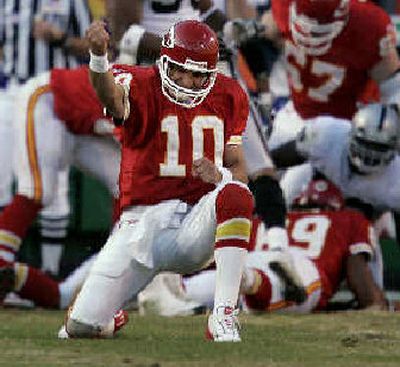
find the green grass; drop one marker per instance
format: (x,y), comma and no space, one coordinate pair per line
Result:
(28,338)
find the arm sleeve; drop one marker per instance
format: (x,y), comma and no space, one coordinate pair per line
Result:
(239,114)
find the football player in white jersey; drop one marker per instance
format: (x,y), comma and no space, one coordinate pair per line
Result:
(360,157)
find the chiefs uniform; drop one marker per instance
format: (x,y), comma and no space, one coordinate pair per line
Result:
(57,119)
(173,220)
(320,242)
(46,109)
(161,141)
(331,83)
(72,88)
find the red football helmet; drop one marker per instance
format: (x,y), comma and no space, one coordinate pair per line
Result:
(314,24)
(193,46)
(321,194)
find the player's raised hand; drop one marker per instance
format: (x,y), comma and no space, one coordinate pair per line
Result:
(206,170)
(98,37)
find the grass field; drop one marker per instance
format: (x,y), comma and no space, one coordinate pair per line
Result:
(28,338)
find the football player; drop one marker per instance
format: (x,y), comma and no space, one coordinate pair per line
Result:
(329,242)
(60,122)
(183,179)
(359,155)
(330,58)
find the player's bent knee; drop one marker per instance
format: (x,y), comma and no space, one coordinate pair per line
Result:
(234,211)
(235,200)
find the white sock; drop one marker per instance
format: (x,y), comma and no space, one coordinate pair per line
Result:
(230,262)
(51,257)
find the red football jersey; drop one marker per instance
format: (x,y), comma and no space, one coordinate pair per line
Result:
(161,139)
(329,238)
(331,84)
(75,101)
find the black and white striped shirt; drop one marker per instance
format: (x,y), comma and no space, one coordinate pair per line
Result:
(25,56)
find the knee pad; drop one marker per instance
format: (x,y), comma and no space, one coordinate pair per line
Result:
(234,211)
(234,200)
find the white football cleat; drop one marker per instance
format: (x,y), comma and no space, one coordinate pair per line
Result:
(223,324)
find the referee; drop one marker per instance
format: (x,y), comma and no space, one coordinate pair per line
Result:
(37,36)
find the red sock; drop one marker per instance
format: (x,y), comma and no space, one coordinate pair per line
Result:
(39,288)
(262,298)
(19,215)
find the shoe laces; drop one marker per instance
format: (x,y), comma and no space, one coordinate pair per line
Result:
(227,317)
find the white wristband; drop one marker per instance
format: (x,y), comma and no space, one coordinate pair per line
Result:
(226,175)
(98,64)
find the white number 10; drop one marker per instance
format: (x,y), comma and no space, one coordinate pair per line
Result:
(170,126)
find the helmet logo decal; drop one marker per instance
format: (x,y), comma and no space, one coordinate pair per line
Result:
(168,40)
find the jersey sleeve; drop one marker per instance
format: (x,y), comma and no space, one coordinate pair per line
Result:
(140,88)
(320,136)
(363,239)
(240,114)
(375,33)
(71,87)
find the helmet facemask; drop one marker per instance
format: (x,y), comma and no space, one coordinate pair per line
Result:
(370,157)
(314,36)
(180,95)
(374,137)
(188,47)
